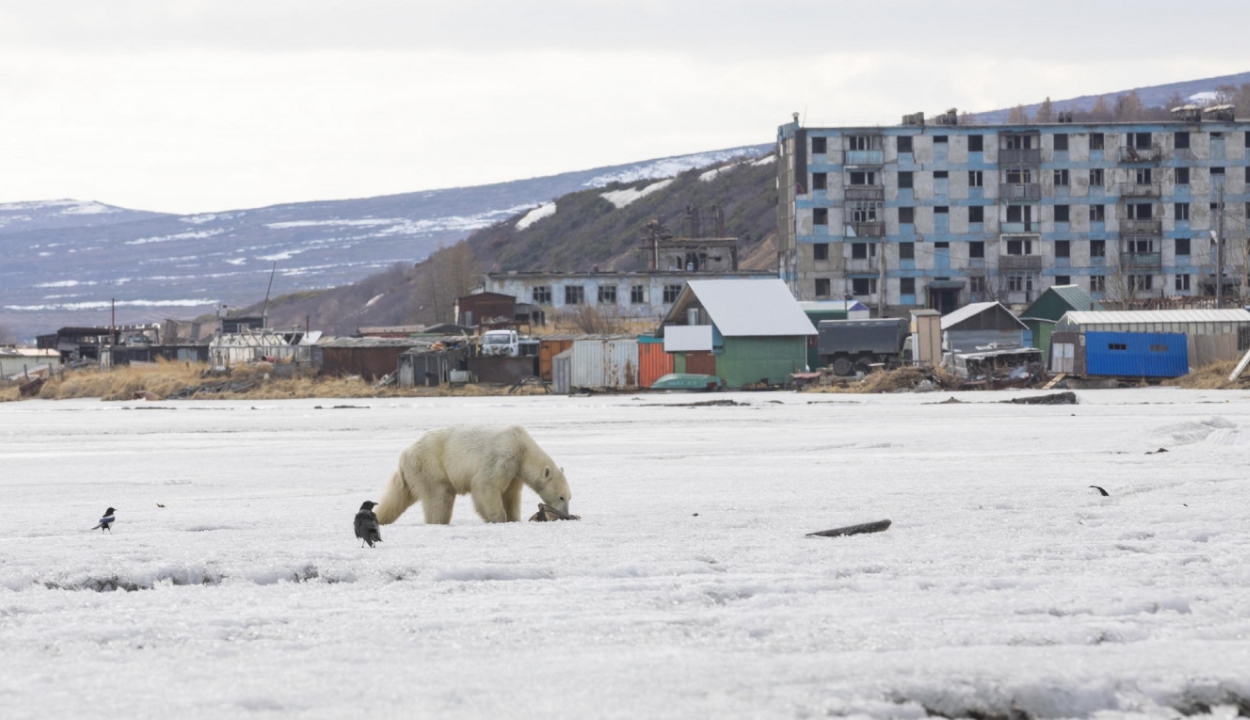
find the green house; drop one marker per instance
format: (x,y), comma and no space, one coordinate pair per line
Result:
(743,331)
(1046,310)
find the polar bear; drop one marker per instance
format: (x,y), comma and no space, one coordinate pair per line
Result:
(489,463)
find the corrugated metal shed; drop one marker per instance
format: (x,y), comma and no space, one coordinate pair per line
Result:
(653,362)
(562,372)
(605,363)
(1128,354)
(1060,299)
(1208,322)
(990,316)
(748,307)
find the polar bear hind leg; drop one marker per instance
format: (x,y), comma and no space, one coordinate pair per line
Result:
(438,506)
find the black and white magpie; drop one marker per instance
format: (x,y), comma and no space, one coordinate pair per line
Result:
(106,522)
(367,524)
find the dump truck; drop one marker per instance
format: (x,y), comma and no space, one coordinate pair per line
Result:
(851,346)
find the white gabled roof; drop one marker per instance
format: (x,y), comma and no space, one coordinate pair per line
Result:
(752,307)
(957,316)
(1131,317)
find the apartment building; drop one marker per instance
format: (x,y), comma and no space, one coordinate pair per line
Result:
(939,214)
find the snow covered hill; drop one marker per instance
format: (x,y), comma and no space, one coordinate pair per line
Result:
(63,262)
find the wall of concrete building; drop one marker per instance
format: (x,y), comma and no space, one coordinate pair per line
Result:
(654,286)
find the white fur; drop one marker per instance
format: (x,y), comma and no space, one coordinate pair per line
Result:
(489,463)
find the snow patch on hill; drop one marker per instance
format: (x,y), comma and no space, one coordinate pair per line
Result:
(621,198)
(535,215)
(670,167)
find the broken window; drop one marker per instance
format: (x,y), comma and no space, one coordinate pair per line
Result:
(863,142)
(863,178)
(941,174)
(904,144)
(1019,247)
(1217,174)
(1139,140)
(818,145)
(976,143)
(976,214)
(941,210)
(940,139)
(820,216)
(976,249)
(907,286)
(1095,177)
(1097,283)
(637,294)
(820,251)
(574,295)
(1019,213)
(1018,142)
(1019,175)
(1182,176)
(906,251)
(1142,176)
(863,286)
(863,251)
(822,287)
(976,178)
(1096,141)
(1141,282)
(904,179)
(1061,213)
(1181,210)
(865,211)
(1097,248)
(1097,213)
(1140,246)
(820,181)
(1180,140)
(541,295)
(670,293)
(607,294)
(1139,211)
(1063,248)
(1182,282)
(1061,141)
(1063,279)
(1061,178)
(1182,246)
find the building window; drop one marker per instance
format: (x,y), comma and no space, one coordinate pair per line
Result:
(820,251)
(574,295)
(906,251)
(1096,141)
(1181,210)
(1182,282)
(976,143)
(607,294)
(941,210)
(1063,249)
(1141,282)
(860,178)
(976,214)
(1143,176)
(822,287)
(1217,174)
(1248,173)
(1020,247)
(1061,177)
(1018,282)
(1095,177)
(866,212)
(976,249)
(541,295)
(976,284)
(1182,176)
(1061,213)
(1063,279)
(670,293)
(1018,142)
(862,251)
(1097,213)
(818,146)
(1141,246)
(820,181)
(1061,142)
(906,215)
(976,178)
(907,286)
(941,174)
(1139,140)
(863,286)
(1182,246)
(1098,248)
(1181,140)
(904,144)
(1098,283)
(1139,211)
(820,216)
(940,139)
(904,179)
(637,294)
(1019,175)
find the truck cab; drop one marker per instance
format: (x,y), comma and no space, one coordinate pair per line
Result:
(501,342)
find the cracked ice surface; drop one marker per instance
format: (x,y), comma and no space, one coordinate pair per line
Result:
(1004,585)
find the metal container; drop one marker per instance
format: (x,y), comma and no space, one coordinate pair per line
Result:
(1123,354)
(653,362)
(562,372)
(605,363)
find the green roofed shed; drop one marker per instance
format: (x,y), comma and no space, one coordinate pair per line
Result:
(1051,305)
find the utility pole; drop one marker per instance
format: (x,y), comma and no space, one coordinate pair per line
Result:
(881,277)
(1219,252)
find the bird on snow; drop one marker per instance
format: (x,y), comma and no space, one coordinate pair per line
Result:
(367,524)
(1101,491)
(106,522)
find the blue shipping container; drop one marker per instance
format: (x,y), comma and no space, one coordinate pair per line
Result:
(1126,354)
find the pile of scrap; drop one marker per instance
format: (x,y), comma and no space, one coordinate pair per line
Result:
(904,379)
(212,388)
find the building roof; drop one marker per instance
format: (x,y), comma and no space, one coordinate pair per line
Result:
(750,307)
(971,310)
(1130,317)
(1058,299)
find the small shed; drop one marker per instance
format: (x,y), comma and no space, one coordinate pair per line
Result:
(752,331)
(370,358)
(653,362)
(486,309)
(1045,312)
(1211,335)
(432,365)
(980,326)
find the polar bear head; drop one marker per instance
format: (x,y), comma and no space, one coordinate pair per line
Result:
(554,489)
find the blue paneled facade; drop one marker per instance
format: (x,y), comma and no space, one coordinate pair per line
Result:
(1127,354)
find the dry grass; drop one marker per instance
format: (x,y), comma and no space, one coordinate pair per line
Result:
(903,378)
(1212,377)
(162,379)
(10,394)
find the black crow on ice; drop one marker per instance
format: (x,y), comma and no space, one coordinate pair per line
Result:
(367,524)
(106,522)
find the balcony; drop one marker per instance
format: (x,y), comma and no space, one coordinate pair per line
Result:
(865,229)
(1151,227)
(1019,191)
(865,192)
(864,157)
(1019,156)
(1139,190)
(859,265)
(1020,262)
(1020,227)
(1138,261)
(1140,155)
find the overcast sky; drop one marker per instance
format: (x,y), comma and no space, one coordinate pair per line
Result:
(196,105)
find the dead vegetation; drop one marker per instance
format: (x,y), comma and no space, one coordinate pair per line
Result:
(1212,377)
(903,379)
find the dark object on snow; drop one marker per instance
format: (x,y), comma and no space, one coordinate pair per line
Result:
(1063,398)
(1156,452)
(367,524)
(106,522)
(872,527)
(547,513)
(1101,491)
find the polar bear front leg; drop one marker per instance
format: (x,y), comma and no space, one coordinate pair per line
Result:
(437,505)
(512,500)
(489,503)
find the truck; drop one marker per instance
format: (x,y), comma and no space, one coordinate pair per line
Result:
(852,346)
(501,342)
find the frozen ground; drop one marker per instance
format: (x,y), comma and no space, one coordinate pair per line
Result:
(1005,586)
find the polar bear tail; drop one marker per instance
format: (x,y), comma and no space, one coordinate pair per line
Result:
(396,498)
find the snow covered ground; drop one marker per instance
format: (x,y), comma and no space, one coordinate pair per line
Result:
(688,589)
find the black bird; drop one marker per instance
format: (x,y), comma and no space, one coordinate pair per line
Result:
(367,524)
(106,522)
(1102,492)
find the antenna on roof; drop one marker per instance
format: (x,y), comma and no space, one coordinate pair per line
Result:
(264,313)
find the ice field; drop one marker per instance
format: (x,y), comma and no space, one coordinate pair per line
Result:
(1006,587)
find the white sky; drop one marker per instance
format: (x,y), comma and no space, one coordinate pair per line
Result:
(195,105)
